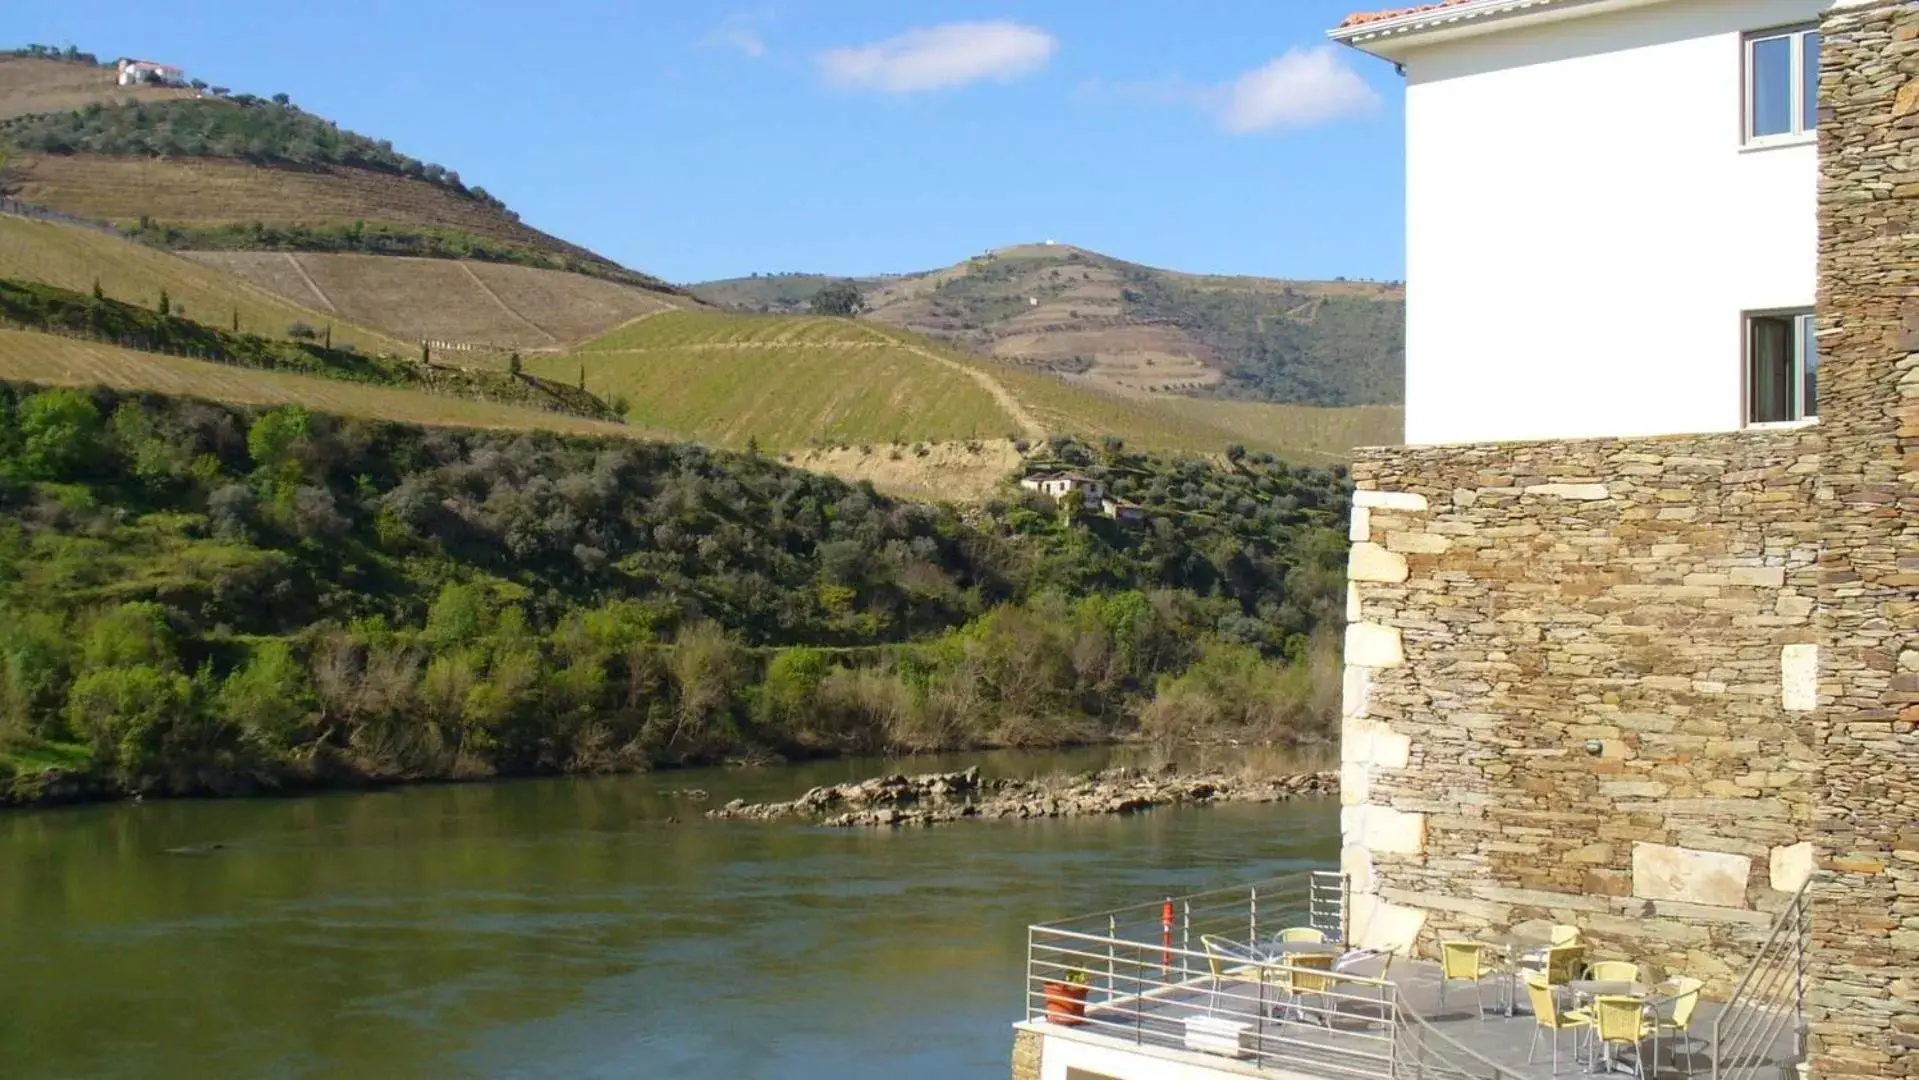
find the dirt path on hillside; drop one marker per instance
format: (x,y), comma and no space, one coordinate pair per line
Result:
(1029,426)
(319,293)
(504,306)
(745,345)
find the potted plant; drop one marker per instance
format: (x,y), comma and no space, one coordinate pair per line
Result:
(1066,998)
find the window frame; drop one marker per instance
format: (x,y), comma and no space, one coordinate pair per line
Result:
(1805,332)
(1803,128)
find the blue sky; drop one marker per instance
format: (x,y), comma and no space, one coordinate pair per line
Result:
(699,140)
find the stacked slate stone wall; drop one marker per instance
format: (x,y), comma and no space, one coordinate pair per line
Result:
(1580,687)
(1866,925)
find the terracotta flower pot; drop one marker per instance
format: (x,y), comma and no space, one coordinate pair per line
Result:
(1065,1003)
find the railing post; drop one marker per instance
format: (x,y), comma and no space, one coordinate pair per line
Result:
(1026,990)
(1112,936)
(1252,914)
(1186,939)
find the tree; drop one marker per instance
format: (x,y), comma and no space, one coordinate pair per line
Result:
(282,100)
(842,298)
(166,304)
(97,293)
(513,365)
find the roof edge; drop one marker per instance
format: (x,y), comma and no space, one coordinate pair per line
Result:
(1382,36)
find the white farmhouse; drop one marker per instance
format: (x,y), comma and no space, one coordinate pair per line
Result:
(1609,214)
(1056,485)
(140,72)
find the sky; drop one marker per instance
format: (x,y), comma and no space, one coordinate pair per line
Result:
(697,141)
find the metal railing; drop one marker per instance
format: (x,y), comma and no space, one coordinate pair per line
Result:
(1769,1001)
(1423,1052)
(1271,1014)
(1315,898)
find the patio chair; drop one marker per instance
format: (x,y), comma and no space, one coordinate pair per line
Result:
(1350,961)
(1465,961)
(1301,975)
(1549,1016)
(1561,936)
(1612,971)
(1682,994)
(1226,957)
(1624,1019)
(1560,964)
(1305,934)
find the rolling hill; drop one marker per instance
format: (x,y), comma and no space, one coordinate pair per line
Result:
(30,85)
(799,383)
(1133,329)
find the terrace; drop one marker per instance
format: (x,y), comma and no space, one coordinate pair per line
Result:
(1191,988)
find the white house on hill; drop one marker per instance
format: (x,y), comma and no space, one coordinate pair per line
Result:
(1609,214)
(139,72)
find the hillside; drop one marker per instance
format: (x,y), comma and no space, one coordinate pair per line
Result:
(196,597)
(419,299)
(75,257)
(798,383)
(31,85)
(1134,329)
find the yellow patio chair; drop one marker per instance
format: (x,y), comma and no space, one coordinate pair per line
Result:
(1551,1017)
(1301,975)
(1612,971)
(1683,994)
(1563,934)
(1305,934)
(1226,958)
(1465,961)
(1623,1018)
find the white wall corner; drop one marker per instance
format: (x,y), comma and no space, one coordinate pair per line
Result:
(1799,678)
(1355,783)
(1367,561)
(1361,527)
(1373,645)
(1389,831)
(1357,864)
(1390,500)
(1377,924)
(1390,749)
(1352,602)
(1356,691)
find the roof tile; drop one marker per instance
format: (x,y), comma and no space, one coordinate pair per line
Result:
(1360,18)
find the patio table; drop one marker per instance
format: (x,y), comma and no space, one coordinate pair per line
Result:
(1510,948)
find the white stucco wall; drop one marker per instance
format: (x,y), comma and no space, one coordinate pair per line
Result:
(1585,227)
(1121,1062)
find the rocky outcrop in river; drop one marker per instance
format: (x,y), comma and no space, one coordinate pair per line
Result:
(938,798)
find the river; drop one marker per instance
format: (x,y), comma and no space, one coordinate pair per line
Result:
(566,928)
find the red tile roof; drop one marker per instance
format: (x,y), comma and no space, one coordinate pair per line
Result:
(1360,18)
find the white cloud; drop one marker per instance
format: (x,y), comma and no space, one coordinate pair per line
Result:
(742,32)
(940,57)
(1300,89)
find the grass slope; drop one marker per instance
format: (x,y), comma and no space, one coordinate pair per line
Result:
(73,257)
(1135,329)
(60,361)
(797,382)
(519,307)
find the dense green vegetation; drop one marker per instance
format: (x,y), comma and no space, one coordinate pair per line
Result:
(264,132)
(381,238)
(198,597)
(1338,350)
(306,350)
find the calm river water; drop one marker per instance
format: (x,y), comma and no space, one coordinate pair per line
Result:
(564,928)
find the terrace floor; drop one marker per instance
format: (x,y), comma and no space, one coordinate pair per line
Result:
(1357,1045)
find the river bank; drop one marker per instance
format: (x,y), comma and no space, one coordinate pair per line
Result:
(897,800)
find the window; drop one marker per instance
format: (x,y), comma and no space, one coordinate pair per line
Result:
(1782,84)
(1782,368)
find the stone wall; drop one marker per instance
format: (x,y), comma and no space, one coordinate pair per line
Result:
(1028,1049)
(1866,928)
(1580,687)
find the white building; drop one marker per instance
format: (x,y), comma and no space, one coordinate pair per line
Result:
(139,72)
(1057,485)
(1609,214)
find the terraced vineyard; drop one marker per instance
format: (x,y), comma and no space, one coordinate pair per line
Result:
(58,361)
(443,300)
(74,258)
(794,382)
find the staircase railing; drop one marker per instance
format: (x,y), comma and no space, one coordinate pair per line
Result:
(1769,1002)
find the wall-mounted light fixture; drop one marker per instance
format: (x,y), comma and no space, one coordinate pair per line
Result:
(1595,747)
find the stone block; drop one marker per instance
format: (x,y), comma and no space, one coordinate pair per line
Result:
(1418,543)
(1360,528)
(1578,492)
(1373,645)
(1799,677)
(1707,878)
(1791,866)
(1390,500)
(1352,602)
(1368,561)
(1764,577)
(1356,692)
(1357,864)
(1384,830)
(1355,783)
(1390,750)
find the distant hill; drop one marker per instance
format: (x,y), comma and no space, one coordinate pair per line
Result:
(799,383)
(1134,329)
(187,169)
